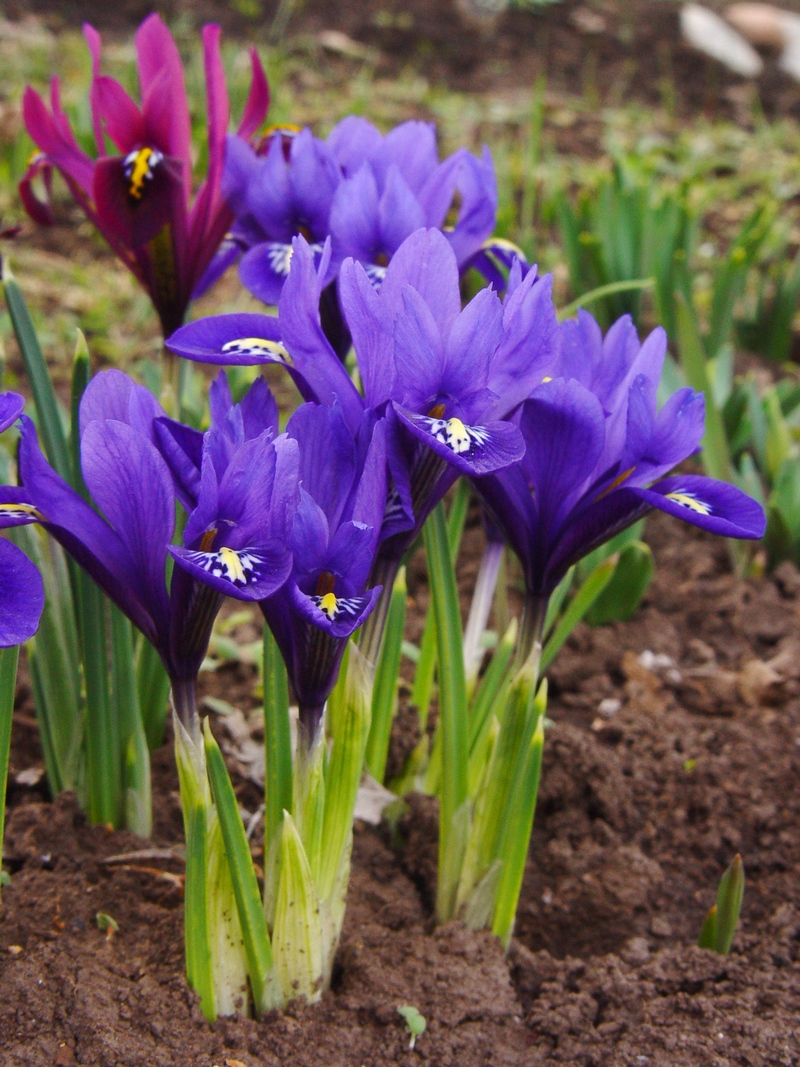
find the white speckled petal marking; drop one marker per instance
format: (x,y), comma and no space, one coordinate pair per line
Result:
(455,434)
(280,255)
(256,346)
(239,568)
(335,607)
(689,501)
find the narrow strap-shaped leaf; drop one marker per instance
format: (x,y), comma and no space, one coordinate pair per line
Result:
(277,742)
(518,824)
(384,695)
(716,455)
(631,580)
(297,934)
(124,707)
(245,885)
(577,608)
(453,723)
(8,680)
(729,904)
(708,932)
(152,684)
(490,684)
(603,291)
(51,427)
(349,720)
(425,669)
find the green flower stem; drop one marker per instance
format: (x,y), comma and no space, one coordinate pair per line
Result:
(8,678)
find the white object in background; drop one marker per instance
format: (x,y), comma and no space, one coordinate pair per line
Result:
(708,33)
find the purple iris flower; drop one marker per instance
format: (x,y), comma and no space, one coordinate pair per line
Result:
(21,587)
(445,379)
(234,544)
(597,452)
(334,536)
(334,530)
(395,185)
(284,189)
(139,199)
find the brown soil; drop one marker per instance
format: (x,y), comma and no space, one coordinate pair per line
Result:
(609,50)
(640,811)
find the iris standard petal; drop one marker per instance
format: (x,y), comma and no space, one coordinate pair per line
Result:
(21,596)
(563,427)
(426,262)
(111,394)
(353,141)
(327,456)
(372,327)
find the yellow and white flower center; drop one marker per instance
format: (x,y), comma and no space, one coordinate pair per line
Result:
(456,435)
(139,167)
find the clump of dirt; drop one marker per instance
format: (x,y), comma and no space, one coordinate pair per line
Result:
(675,742)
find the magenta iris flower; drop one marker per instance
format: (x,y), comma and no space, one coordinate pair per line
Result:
(139,196)
(21,588)
(597,455)
(235,542)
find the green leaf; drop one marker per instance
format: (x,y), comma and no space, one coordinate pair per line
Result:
(152,683)
(453,723)
(426,661)
(518,824)
(602,291)
(50,423)
(708,932)
(277,763)
(716,457)
(297,933)
(349,726)
(729,905)
(384,694)
(243,876)
(415,1022)
(577,608)
(628,585)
